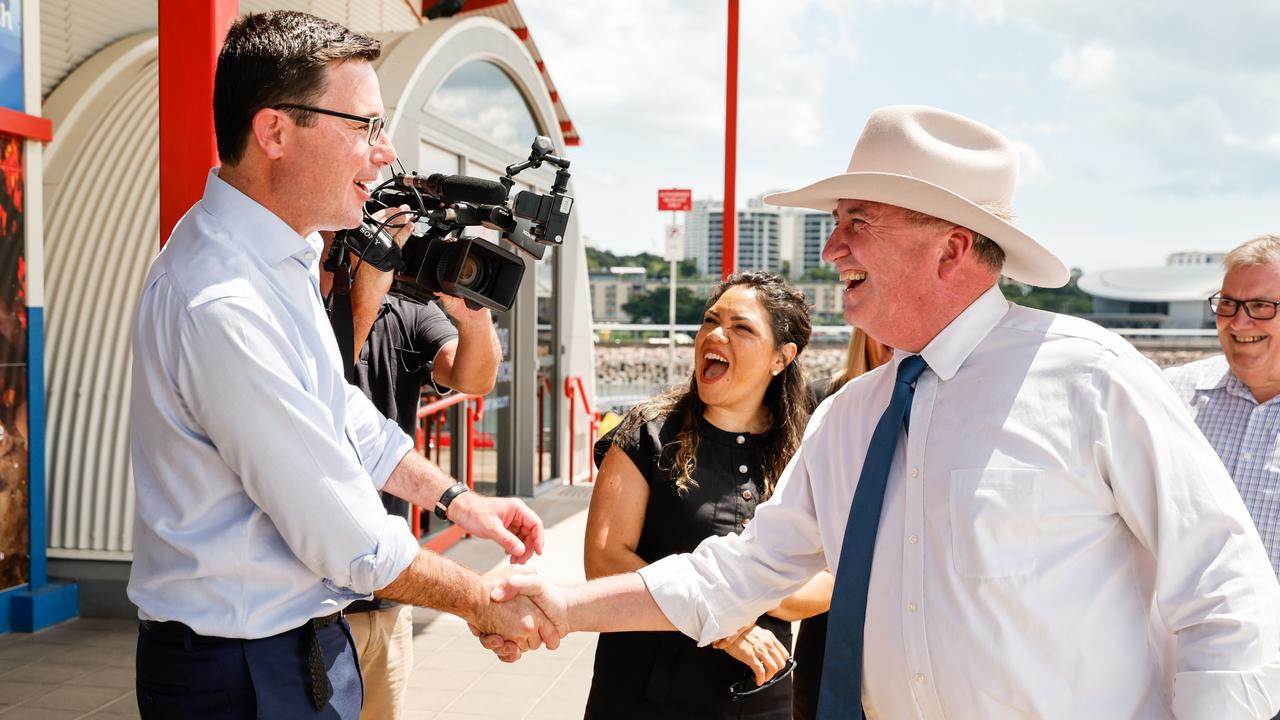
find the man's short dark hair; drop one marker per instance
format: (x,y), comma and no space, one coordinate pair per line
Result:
(272,58)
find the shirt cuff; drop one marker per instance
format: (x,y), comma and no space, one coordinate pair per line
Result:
(397,444)
(668,581)
(1224,695)
(396,549)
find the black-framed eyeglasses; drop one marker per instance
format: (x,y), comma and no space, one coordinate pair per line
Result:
(747,686)
(374,124)
(1256,308)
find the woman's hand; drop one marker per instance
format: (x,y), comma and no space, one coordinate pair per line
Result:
(758,649)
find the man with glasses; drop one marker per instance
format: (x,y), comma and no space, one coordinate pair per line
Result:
(1233,396)
(257,467)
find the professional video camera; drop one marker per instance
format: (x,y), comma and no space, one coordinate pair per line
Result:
(438,257)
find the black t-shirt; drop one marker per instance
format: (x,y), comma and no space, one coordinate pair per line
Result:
(665,674)
(396,362)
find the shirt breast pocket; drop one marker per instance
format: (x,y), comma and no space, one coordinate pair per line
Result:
(995,519)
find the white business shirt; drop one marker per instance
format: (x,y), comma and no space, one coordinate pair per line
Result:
(1051,486)
(256,465)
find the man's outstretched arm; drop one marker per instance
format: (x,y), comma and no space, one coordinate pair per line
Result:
(436,582)
(619,603)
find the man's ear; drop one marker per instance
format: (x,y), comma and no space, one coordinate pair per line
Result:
(956,247)
(270,132)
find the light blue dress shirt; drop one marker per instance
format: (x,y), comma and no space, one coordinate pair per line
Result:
(1244,432)
(256,464)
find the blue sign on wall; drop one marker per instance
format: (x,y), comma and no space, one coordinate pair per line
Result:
(11,95)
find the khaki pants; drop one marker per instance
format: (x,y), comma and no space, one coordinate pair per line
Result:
(384,643)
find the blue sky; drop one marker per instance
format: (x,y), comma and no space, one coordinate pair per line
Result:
(1145,127)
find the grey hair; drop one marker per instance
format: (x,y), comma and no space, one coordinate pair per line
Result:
(1262,250)
(987,251)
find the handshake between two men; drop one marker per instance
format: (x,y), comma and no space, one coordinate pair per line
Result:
(524,611)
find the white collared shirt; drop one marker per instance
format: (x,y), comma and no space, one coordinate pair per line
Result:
(1050,487)
(256,465)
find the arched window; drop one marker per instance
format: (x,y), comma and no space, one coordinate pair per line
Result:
(482,95)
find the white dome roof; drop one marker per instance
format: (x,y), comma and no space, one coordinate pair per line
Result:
(1168,283)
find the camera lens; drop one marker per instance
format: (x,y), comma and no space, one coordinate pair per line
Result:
(472,273)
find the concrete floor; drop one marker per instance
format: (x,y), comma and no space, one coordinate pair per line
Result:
(84,668)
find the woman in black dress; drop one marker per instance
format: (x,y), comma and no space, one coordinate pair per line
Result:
(692,463)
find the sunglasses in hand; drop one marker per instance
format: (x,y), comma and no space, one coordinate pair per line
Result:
(747,686)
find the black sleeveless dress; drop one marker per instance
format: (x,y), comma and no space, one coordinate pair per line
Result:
(666,675)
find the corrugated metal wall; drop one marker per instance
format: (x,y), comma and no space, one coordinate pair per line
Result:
(72,31)
(101,229)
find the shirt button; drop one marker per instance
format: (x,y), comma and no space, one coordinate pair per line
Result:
(746,494)
(912,607)
(913,539)
(919,678)
(915,472)
(1246,456)
(742,469)
(741,439)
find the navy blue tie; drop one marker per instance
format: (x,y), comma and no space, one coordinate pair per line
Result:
(840,695)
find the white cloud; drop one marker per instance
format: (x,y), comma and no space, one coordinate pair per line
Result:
(1090,66)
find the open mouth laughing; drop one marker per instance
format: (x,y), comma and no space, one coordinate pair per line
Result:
(852,278)
(714,366)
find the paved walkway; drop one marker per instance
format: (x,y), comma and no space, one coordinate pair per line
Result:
(84,668)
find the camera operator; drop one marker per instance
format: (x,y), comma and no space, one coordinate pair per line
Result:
(257,467)
(397,347)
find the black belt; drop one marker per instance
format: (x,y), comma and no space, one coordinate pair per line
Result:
(321,688)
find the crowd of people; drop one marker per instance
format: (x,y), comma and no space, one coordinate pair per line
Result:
(983,511)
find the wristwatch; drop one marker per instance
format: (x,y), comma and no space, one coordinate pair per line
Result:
(442,505)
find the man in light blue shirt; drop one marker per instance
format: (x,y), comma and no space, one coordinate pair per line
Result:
(257,467)
(1235,397)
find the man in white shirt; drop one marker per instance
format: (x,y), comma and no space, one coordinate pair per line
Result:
(1046,494)
(257,466)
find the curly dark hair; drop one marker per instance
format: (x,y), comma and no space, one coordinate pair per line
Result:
(272,58)
(787,400)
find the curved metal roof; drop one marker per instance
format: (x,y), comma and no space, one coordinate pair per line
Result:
(1165,283)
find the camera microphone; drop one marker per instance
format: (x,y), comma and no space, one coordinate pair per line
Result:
(457,188)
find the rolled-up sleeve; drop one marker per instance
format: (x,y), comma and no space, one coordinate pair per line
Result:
(380,441)
(1215,588)
(729,581)
(244,384)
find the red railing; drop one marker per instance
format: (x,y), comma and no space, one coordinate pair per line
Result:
(436,415)
(569,384)
(544,384)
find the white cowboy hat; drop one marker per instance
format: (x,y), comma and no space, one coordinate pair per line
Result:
(940,164)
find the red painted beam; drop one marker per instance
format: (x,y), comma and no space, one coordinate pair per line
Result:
(729,248)
(472,5)
(25,126)
(191,34)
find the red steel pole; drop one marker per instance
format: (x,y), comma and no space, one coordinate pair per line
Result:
(191,35)
(729,247)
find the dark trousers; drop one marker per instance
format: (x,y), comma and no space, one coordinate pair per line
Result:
(185,675)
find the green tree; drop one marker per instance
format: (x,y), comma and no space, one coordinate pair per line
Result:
(653,306)
(820,273)
(1068,299)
